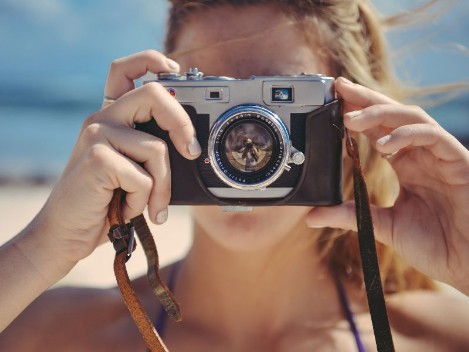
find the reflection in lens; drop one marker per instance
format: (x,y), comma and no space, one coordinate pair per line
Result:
(248,147)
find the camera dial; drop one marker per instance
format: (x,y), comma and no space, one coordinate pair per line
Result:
(296,157)
(194,74)
(168,76)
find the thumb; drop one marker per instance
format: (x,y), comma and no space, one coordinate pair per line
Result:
(344,217)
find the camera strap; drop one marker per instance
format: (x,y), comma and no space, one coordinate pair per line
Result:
(369,257)
(122,237)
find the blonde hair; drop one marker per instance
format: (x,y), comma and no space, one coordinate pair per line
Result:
(351,35)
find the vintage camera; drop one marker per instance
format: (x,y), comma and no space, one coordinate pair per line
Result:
(273,140)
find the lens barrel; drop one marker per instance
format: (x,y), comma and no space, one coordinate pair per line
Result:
(249,147)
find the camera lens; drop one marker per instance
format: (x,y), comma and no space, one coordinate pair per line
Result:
(248,147)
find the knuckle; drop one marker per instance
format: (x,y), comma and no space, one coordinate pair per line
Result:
(98,155)
(153,89)
(90,120)
(440,131)
(151,54)
(158,147)
(115,65)
(420,112)
(147,185)
(92,132)
(376,110)
(417,109)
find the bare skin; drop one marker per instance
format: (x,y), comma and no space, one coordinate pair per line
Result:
(245,285)
(80,319)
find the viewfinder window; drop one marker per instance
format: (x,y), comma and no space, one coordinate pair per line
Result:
(215,94)
(282,94)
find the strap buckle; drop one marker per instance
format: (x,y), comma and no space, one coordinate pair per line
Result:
(123,238)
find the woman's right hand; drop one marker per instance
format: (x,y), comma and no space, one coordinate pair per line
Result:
(107,156)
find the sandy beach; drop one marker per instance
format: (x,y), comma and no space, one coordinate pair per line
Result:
(20,203)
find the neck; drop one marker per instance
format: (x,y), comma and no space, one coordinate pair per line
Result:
(232,292)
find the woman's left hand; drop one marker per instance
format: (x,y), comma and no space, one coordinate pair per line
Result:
(429,223)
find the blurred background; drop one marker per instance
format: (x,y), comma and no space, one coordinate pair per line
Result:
(54,57)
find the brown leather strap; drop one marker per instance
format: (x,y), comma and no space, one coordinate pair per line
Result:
(369,258)
(160,289)
(144,324)
(121,235)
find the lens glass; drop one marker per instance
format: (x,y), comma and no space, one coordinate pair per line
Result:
(248,146)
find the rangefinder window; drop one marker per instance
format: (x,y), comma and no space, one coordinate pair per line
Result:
(214,94)
(282,94)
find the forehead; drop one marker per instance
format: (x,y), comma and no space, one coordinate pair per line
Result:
(252,40)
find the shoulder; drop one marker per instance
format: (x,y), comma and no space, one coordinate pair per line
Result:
(68,302)
(434,317)
(62,315)
(89,319)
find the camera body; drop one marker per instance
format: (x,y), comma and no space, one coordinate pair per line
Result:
(274,140)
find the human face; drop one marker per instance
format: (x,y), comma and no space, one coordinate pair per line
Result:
(240,43)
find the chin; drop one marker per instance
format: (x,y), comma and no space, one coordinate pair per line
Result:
(259,229)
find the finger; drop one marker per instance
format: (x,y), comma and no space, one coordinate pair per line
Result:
(385,115)
(153,100)
(107,102)
(124,71)
(359,96)
(344,217)
(431,136)
(153,153)
(114,170)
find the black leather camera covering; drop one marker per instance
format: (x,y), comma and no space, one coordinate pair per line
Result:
(318,181)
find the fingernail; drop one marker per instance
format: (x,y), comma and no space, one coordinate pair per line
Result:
(345,80)
(162,216)
(383,140)
(353,114)
(194,147)
(172,64)
(315,225)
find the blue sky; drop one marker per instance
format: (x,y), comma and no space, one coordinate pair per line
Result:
(55,42)
(51,43)
(55,54)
